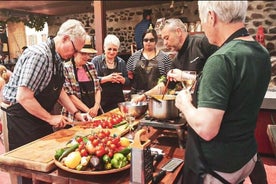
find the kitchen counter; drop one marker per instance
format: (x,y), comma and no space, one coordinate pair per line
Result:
(42,169)
(269,101)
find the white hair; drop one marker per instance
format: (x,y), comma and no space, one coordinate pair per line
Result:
(111,39)
(73,28)
(227,11)
(173,24)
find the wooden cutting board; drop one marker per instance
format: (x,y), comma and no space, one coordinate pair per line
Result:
(38,155)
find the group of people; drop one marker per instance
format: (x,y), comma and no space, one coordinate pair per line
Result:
(233,72)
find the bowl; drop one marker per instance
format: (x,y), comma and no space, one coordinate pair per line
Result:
(133,109)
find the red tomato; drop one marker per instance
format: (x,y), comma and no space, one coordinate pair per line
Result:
(95,142)
(83,153)
(104,124)
(100,151)
(113,146)
(110,153)
(106,132)
(109,125)
(116,140)
(79,139)
(81,145)
(91,137)
(101,135)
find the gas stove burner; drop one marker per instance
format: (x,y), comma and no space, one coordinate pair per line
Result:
(173,121)
(179,125)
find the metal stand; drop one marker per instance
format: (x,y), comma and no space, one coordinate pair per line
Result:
(178,125)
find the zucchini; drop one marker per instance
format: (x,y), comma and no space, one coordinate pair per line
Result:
(67,151)
(120,124)
(125,151)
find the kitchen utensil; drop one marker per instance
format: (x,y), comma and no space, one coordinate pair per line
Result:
(133,109)
(156,159)
(166,89)
(141,170)
(170,166)
(155,99)
(164,110)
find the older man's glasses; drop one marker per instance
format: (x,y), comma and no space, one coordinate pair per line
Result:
(75,50)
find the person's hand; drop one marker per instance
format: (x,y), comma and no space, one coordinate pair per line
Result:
(182,98)
(119,78)
(59,121)
(93,111)
(139,98)
(79,116)
(174,75)
(86,117)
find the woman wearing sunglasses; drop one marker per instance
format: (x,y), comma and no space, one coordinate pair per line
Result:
(147,65)
(112,73)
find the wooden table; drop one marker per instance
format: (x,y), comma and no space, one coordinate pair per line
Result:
(56,175)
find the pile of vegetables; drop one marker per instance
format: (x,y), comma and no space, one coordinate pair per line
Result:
(113,120)
(96,152)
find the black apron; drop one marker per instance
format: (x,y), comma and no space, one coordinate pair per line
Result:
(146,74)
(196,166)
(24,127)
(112,93)
(86,88)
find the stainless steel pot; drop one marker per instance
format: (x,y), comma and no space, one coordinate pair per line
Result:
(163,109)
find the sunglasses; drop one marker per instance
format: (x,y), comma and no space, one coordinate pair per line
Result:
(151,40)
(112,49)
(75,50)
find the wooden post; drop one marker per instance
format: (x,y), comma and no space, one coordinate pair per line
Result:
(100,25)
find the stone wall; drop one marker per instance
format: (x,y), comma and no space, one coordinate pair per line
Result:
(263,13)
(121,22)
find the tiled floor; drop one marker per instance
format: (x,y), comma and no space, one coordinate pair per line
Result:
(270,166)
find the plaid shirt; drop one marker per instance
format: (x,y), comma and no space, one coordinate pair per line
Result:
(33,70)
(71,85)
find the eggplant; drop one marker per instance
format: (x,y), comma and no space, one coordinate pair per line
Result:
(96,163)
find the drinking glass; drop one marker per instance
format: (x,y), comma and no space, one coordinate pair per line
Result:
(188,80)
(130,119)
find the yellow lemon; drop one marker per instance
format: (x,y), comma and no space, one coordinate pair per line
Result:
(124,142)
(73,159)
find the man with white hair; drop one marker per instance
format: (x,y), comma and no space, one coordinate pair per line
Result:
(221,146)
(36,85)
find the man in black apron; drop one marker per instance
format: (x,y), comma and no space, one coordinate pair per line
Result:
(193,51)
(36,85)
(225,113)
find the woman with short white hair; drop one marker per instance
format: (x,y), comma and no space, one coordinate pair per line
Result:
(112,73)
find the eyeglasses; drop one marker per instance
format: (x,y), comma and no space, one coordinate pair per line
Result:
(112,49)
(151,40)
(75,50)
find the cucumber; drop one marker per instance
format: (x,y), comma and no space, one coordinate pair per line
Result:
(125,151)
(120,124)
(67,151)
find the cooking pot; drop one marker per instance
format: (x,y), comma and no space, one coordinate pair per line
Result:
(163,108)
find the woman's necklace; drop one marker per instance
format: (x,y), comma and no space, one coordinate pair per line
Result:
(110,63)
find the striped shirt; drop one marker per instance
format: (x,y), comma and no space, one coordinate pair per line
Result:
(72,87)
(164,62)
(33,70)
